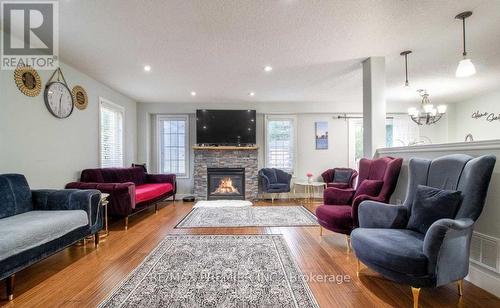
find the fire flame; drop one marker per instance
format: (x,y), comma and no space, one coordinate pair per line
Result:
(226,187)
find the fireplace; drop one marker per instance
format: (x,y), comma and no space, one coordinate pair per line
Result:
(226,183)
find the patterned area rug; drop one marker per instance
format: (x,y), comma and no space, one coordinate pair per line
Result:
(254,216)
(215,271)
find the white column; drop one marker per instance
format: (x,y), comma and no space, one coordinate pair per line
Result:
(374,109)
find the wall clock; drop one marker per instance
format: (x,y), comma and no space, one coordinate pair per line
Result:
(58,97)
(28,81)
(80,97)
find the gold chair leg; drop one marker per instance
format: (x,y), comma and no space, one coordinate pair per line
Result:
(460,284)
(126,223)
(348,240)
(416,293)
(358,267)
(320,231)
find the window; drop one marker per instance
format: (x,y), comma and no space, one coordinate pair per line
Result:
(355,142)
(172,142)
(400,131)
(280,142)
(111,134)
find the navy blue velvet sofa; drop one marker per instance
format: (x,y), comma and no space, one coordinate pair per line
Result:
(34,224)
(439,256)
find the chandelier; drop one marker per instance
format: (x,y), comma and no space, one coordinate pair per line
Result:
(427,114)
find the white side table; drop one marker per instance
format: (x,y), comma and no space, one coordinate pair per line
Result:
(309,188)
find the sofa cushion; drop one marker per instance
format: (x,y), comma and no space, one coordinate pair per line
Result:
(369,187)
(431,204)
(399,250)
(342,176)
(148,192)
(22,232)
(15,195)
(135,175)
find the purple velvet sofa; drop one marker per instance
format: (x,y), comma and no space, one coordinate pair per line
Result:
(131,190)
(377,181)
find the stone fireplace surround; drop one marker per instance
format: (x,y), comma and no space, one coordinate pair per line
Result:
(225,157)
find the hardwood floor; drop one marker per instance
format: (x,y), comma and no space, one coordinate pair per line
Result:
(83,276)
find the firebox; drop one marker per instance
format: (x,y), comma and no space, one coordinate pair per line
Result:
(226,183)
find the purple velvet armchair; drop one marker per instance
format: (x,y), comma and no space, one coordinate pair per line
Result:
(130,190)
(340,177)
(377,181)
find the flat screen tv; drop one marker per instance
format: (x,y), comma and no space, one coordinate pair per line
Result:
(225,127)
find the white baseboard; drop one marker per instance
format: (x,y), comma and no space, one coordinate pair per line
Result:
(484,278)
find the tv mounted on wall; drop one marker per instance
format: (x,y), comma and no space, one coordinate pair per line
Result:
(225,127)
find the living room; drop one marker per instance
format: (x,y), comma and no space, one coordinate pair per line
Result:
(208,153)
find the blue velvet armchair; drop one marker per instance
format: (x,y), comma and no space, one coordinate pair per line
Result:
(274,181)
(441,254)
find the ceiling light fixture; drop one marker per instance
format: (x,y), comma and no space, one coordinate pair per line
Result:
(193,93)
(465,67)
(408,91)
(427,114)
(268,68)
(251,94)
(147,68)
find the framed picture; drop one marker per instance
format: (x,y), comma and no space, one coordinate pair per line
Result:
(321,135)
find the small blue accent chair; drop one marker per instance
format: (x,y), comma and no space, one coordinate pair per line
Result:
(274,181)
(441,255)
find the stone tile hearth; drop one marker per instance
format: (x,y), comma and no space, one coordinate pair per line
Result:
(215,158)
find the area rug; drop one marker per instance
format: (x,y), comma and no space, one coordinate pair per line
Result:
(222,203)
(215,271)
(253,216)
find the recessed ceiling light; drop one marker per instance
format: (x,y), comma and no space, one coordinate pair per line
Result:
(147,68)
(193,93)
(268,68)
(251,94)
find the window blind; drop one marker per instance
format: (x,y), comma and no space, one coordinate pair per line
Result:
(111,135)
(280,144)
(173,142)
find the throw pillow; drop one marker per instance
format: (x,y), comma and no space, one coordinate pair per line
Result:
(431,204)
(342,176)
(369,187)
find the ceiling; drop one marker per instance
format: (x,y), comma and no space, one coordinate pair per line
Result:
(219,48)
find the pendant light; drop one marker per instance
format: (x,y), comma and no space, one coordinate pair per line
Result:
(408,91)
(465,67)
(427,114)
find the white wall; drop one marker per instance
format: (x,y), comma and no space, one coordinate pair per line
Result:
(462,123)
(51,152)
(308,158)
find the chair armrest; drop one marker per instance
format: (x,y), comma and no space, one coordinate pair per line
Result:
(327,176)
(121,195)
(162,178)
(447,247)
(372,214)
(265,182)
(337,196)
(70,199)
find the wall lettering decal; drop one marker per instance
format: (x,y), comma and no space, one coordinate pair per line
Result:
(488,116)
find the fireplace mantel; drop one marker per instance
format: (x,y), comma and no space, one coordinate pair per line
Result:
(225,148)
